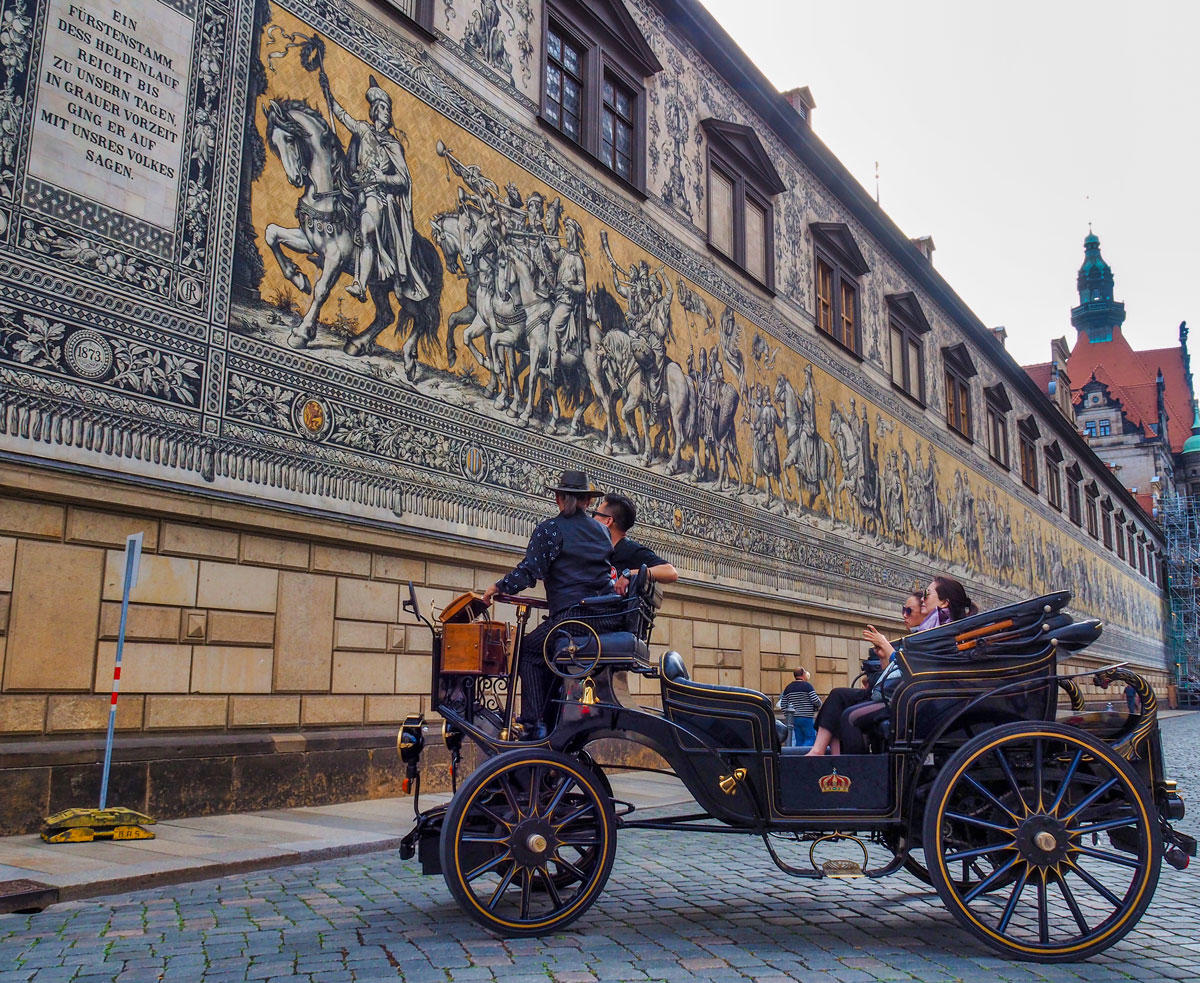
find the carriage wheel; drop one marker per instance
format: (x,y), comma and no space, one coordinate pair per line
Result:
(1035,800)
(528,842)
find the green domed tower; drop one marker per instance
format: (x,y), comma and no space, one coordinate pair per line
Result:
(1098,316)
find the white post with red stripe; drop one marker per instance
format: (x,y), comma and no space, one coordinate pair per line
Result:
(133,557)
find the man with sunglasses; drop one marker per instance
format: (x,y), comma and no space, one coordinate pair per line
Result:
(618,514)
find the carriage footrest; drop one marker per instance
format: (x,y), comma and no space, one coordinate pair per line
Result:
(843,869)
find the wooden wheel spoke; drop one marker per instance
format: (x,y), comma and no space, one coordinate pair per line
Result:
(494,817)
(486,866)
(1008,773)
(988,881)
(511,794)
(1066,782)
(526,892)
(570,867)
(978,851)
(535,789)
(576,815)
(505,881)
(991,798)
(974,821)
(1037,774)
(579,842)
(1013,899)
(1112,858)
(1090,798)
(556,799)
(1094,884)
(550,888)
(1043,911)
(1069,897)
(1106,825)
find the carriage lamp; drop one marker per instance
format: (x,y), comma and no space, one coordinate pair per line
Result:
(410,742)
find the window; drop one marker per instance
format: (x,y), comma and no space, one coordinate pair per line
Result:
(1093,512)
(997,424)
(907,327)
(420,12)
(1142,557)
(1104,428)
(617,127)
(1132,547)
(1090,428)
(1074,509)
(1106,522)
(957,369)
(1054,493)
(564,84)
(594,70)
(741,183)
(1119,526)
(1027,434)
(839,264)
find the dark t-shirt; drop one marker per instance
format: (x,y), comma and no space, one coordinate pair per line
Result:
(631,555)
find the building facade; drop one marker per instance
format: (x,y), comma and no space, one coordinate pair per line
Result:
(321,294)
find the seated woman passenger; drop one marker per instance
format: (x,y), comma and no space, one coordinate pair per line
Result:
(943,601)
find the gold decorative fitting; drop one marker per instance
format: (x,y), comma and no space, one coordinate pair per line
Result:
(834,782)
(729,783)
(589,693)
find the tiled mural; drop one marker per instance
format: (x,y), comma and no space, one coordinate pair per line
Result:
(371,293)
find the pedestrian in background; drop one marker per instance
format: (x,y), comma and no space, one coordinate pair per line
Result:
(801,701)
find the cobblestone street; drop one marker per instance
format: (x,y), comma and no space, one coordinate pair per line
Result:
(676,908)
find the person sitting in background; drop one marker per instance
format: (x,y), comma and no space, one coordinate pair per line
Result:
(801,701)
(618,514)
(943,601)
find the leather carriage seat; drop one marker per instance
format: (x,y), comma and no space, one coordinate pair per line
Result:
(673,672)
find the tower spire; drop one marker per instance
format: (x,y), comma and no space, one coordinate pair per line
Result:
(1098,315)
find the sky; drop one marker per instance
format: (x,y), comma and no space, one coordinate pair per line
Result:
(1002,130)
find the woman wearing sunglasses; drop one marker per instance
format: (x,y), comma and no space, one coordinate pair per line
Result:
(943,601)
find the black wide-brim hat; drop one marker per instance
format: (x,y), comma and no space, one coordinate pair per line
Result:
(574,483)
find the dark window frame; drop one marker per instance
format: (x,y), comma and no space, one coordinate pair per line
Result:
(1054,478)
(610,46)
(1131,535)
(421,15)
(736,152)
(1027,438)
(1092,509)
(835,249)
(907,321)
(1103,428)
(1106,522)
(1075,493)
(957,371)
(997,408)
(1119,533)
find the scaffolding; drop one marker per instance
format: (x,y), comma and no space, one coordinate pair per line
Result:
(1180,518)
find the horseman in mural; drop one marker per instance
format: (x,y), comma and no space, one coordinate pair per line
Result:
(379,172)
(765,418)
(807,451)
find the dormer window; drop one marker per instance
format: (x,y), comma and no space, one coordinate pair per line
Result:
(741,184)
(594,73)
(998,405)
(839,264)
(907,327)
(957,370)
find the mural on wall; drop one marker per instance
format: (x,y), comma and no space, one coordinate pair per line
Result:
(401,247)
(407,306)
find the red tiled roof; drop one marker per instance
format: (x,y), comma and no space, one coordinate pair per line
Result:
(1130,376)
(1040,374)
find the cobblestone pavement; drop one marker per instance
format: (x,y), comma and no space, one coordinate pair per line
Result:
(697,907)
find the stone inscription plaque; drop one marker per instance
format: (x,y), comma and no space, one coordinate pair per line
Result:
(111,104)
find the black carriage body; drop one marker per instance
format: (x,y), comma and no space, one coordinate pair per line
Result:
(958,684)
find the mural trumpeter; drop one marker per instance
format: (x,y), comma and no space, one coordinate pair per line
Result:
(389,224)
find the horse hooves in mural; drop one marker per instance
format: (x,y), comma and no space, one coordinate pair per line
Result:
(359,345)
(299,339)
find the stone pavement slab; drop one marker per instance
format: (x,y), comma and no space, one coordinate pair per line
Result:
(211,846)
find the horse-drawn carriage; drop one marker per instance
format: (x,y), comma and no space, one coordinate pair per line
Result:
(1044,837)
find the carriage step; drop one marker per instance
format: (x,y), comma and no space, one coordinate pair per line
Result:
(844,869)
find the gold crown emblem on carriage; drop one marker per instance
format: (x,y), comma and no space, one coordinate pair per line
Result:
(833,782)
